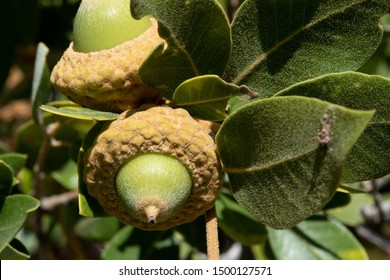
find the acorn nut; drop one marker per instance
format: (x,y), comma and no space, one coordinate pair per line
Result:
(99,70)
(153,168)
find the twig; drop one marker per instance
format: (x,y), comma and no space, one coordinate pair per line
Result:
(378,199)
(49,132)
(51,202)
(212,235)
(380,217)
(374,238)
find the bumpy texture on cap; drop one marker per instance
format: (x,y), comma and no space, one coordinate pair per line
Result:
(107,80)
(154,129)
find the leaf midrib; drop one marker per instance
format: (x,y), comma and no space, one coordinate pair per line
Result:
(204,101)
(237,80)
(270,165)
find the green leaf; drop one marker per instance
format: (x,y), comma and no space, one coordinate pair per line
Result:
(97,229)
(316,239)
(41,83)
(237,223)
(263,251)
(194,234)
(237,102)
(14,251)
(225,5)
(72,110)
(278,43)
(284,155)
(351,214)
(134,244)
(353,188)
(115,250)
(30,137)
(206,97)
(6,179)
(15,160)
(67,175)
(369,158)
(198,41)
(13,213)
(88,206)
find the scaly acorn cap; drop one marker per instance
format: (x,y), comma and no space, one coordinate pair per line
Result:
(107,80)
(162,131)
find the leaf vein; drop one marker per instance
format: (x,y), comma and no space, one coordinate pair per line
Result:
(262,57)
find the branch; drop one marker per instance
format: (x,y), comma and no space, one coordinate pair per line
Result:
(374,238)
(51,202)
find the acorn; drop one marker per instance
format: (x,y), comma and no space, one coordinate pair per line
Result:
(99,70)
(154,168)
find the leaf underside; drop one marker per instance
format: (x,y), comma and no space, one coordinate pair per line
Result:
(284,155)
(206,97)
(369,158)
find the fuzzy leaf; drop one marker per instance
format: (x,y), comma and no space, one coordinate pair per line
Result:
(237,223)
(206,97)
(279,43)
(198,39)
(316,239)
(284,155)
(369,158)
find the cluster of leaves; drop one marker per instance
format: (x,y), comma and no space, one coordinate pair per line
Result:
(298,126)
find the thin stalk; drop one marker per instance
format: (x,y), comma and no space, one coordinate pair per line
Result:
(52,202)
(49,132)
(212,235)
(377,200)
(38,168)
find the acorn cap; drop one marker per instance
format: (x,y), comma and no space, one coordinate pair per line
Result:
(107,80)
(154,130)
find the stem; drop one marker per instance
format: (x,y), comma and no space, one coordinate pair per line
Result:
(75,247)
(212,235)
(44,251)
(374,238)
(50,203)
(377,200)
(49,133)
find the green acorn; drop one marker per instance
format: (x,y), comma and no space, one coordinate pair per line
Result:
(99,70)
(154,168)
